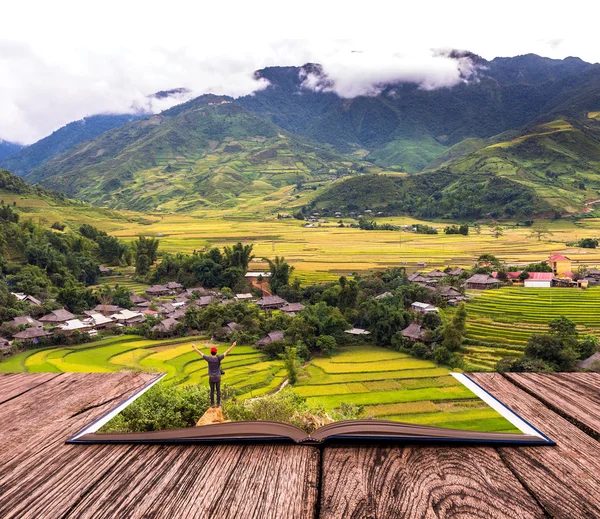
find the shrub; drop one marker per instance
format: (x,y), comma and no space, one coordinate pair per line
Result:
(164,407)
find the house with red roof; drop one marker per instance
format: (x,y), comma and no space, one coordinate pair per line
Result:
(539,280)
(560,264)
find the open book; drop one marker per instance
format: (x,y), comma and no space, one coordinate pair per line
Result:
(354,430)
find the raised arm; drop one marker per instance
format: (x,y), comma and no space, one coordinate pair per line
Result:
(197,350)
(230,348)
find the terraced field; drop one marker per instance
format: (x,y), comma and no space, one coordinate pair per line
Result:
(124,281)
(394,386)
(501,321)
(247,368)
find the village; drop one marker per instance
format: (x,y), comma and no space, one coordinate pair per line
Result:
(165,305)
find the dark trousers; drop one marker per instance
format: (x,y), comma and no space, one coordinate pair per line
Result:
(215,383)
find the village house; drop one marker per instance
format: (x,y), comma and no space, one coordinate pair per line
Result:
(74,325)
(28,299)
(158,290)
(539,280)
(107,309)
(243,297)
(166,309)
(57,317)
(415,332)
(292,309)
(560,265)
(271,303)
(136,299)
(422,308)
(24,320)
(436,274)
(510,276)
(31,334)
(165,326)
(128,318)
(275,336)
(100,321)
(448,292)
(481,282)
(105,271)
(422,280)
(456,272)
(204,301)
(174,286)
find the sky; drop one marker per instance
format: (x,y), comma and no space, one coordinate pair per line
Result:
(63,60)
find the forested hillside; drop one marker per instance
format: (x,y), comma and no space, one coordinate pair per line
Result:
(30,157)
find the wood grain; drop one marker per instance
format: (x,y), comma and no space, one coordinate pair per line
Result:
(223,481)
(421,482)
(15,384)
(574,395)
(57,404)
(564,479)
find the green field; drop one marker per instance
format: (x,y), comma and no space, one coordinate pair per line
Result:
(394,386)
(501,321)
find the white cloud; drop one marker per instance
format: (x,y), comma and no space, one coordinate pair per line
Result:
(63,60)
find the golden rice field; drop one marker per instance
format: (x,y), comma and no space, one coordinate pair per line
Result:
(320,253)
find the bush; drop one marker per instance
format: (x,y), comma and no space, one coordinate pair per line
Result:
(164,407)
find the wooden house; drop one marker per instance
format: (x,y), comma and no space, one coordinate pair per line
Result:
(456,272)
(481,282)
(292,308)
(107,309)
(275,336)
(158,290)
(31,334)
(27,298)
(271,303)
(24,320)
(436,274)
(415,332)
(357,331)
(129,318)
(57,317)
(166,325)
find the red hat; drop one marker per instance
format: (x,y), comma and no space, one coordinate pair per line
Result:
(213,351)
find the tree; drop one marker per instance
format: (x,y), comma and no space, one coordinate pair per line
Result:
(291,364)
(239,256)
(540,231)
(551,350)
(477,228)
(280,273)
(497,230)
(146,252)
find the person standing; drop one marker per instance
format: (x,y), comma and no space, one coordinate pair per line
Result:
(214,371)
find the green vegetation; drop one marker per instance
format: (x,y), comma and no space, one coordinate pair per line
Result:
(395,386)
(501,322)
(206,152)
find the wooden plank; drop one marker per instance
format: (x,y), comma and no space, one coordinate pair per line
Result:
(15,384)
(53,405)
(40,475)
(421,482)
(574,395)
(564,479)
(221,481)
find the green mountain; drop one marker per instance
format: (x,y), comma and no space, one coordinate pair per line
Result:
(205,152)
(407,127)
(550,168)
(27,158)
(12,185)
